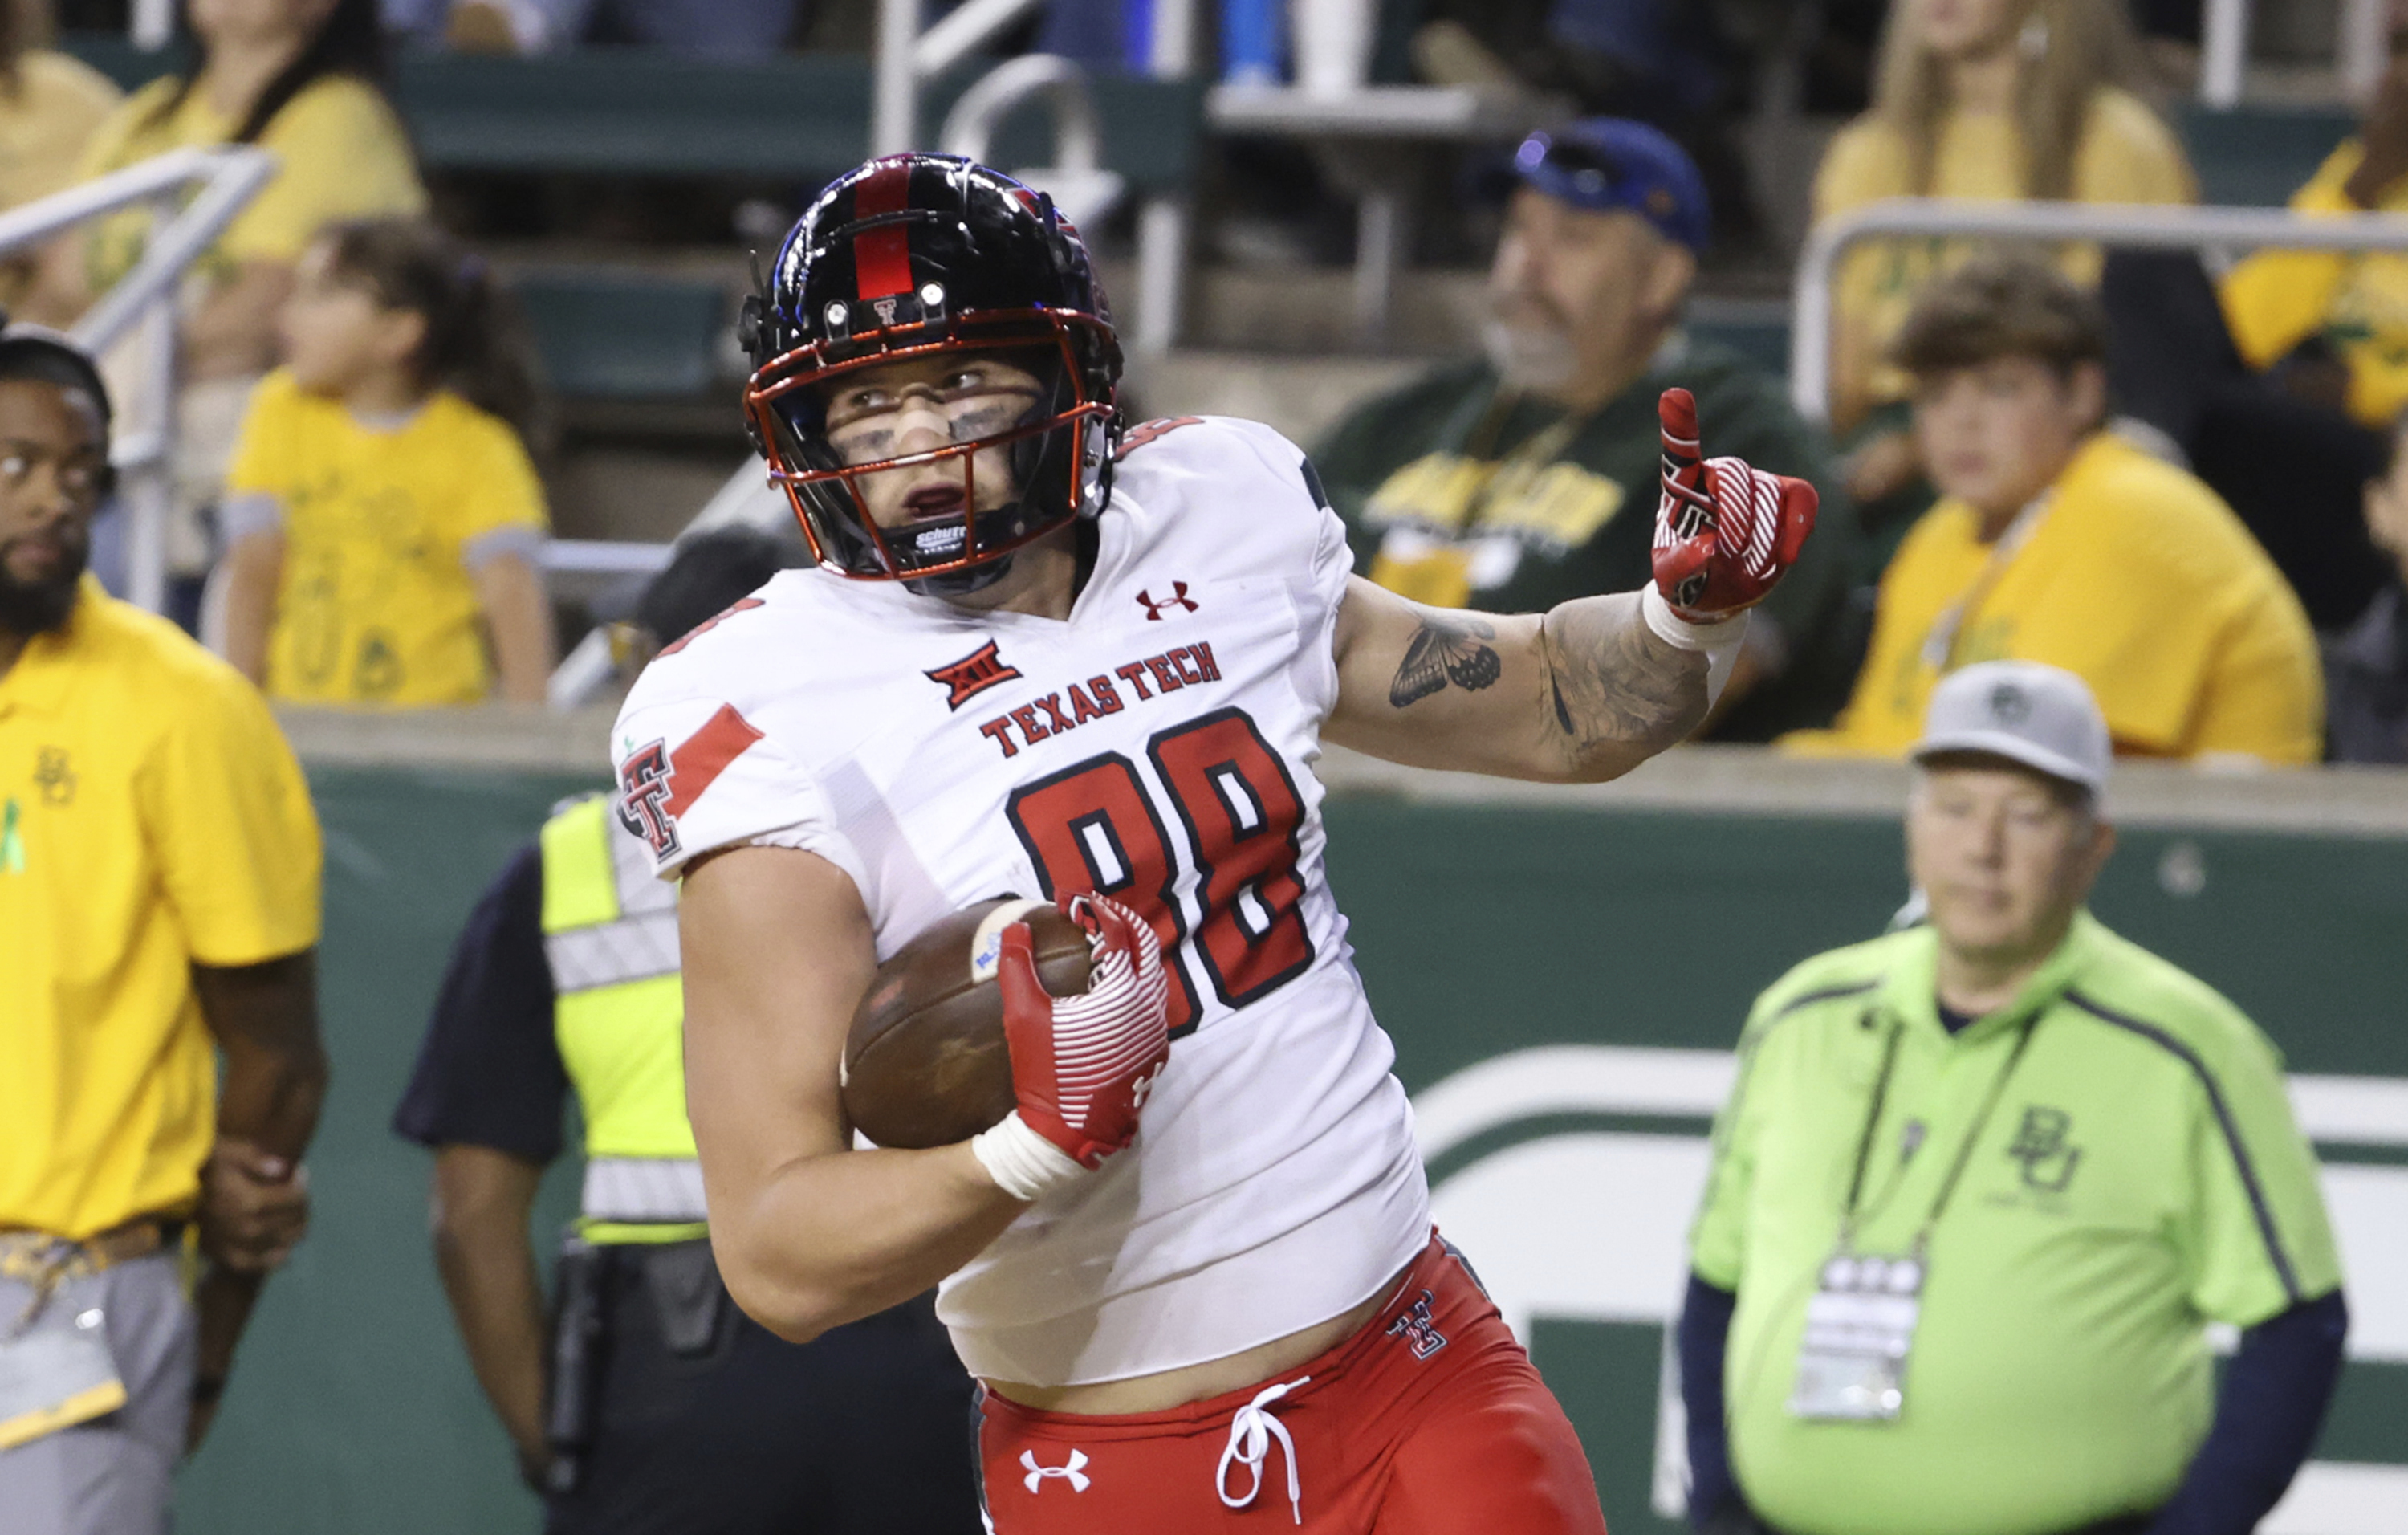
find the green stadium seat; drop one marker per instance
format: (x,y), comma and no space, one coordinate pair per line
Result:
(629,112)
(2257,157)
(616,334)
(1756,329)
(619,334)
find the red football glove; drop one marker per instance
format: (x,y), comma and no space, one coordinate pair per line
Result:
(1081,1066)
(1725,531)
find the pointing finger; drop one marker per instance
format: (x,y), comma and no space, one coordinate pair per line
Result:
(1677,410)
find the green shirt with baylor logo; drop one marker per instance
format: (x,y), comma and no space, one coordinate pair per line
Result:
(2140,1176)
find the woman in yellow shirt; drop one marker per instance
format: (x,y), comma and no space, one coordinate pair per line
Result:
(2281,382)
(295,76)
(384,524)
(50,106)
(1999,100)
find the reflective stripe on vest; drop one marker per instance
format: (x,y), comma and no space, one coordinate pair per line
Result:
(642,1189)
(611,937)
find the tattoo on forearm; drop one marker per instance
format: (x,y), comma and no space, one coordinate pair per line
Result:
(1443,651)
(1612,680)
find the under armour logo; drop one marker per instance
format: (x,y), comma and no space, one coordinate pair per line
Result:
(1419,1332)
(1140,1091)
(1074,1470)
(1178,598)
(2008,704)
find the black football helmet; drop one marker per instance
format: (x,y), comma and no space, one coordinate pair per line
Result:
(907,256)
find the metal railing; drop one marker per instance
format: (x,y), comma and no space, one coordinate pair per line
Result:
(2361,48)
(746,500)
(908,58)
(1079,185)
(2148,227)
(143,443)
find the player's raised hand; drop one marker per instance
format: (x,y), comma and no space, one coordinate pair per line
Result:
(1081,1066)
(1725,530)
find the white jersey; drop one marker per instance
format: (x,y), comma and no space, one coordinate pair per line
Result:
(1157,746)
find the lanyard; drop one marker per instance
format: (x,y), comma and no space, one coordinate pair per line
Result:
(1964,1149)
(1510,470)
(1939,645)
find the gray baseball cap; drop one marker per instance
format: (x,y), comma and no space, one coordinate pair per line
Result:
(2040,716)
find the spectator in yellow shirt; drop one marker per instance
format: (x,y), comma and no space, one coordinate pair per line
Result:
(299,77)
(1997,100)
(2057,541)
(2280,383)
(50,106)
(159,869)
(384,524)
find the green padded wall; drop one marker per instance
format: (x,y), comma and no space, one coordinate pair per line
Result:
(1479,930)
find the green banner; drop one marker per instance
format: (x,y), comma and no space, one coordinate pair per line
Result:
(1560,986)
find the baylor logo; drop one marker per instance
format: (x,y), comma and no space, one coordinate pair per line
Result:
(2038,1146)
(54,777)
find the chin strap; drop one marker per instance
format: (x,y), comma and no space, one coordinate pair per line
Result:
(961,584)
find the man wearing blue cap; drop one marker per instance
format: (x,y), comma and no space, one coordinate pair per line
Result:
(1509,480)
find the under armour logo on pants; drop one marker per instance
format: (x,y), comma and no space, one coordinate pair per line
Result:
(1074,1470)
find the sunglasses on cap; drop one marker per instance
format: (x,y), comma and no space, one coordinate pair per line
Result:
(1590,172)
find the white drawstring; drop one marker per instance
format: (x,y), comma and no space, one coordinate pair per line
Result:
(1251,1432)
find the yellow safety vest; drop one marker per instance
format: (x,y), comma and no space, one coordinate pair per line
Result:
(609,931)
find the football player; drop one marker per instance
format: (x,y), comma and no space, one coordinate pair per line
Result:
(1043,657)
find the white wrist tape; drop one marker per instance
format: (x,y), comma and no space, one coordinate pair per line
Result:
(1718,643)
(1023,1163)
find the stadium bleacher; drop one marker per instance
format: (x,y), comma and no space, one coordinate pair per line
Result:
(620,330)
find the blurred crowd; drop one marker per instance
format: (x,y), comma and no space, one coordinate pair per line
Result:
(2174,478)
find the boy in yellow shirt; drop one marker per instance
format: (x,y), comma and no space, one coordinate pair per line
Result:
(2055,541)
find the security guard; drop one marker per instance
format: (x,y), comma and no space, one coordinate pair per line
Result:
(159,906)
(1984,1183)
(662,1408)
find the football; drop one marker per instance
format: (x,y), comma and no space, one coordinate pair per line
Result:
(925,1063)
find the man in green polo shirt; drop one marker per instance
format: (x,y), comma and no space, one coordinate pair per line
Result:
(1523,478)
(1982,1185)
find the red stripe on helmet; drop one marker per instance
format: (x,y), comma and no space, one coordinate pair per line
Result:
(881,257)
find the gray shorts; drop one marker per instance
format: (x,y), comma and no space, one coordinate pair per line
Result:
(114,1474)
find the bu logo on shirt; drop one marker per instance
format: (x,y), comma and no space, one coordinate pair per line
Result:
(1419,1332)
(54,777)
(2038,1146)
(1073,1470)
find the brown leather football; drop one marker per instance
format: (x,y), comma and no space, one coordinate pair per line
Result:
(925,1063)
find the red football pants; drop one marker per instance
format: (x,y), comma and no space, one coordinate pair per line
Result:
(1429,1421)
